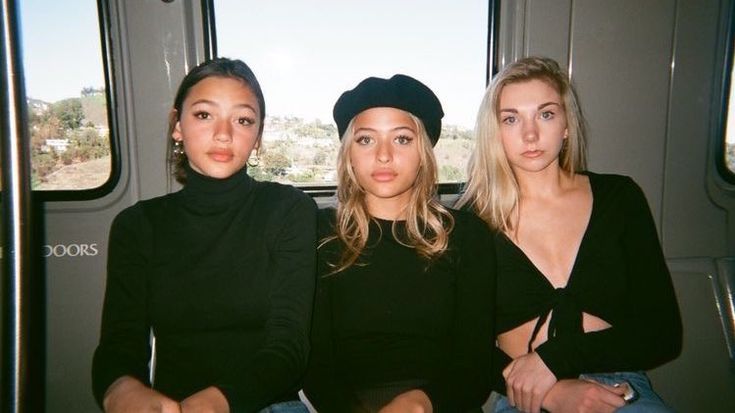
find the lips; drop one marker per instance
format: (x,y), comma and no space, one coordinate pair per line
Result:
(221,155)
(532,154)
(383,175)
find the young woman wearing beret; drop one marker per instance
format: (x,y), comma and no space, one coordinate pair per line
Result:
(403,317)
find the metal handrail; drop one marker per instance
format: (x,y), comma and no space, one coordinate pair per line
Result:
(16,214)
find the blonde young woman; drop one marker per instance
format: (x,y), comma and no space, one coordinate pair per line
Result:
(583,288)
(403,313)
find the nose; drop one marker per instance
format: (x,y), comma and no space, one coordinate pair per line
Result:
(384,152)
(223,131)
(530,131)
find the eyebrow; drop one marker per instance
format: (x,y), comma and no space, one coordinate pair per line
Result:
(541,106)
(211,102)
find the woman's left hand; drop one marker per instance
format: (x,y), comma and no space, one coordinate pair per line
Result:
(528,380)
(209,400)
(412,401)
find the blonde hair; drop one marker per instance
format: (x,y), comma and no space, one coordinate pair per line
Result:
(428,223)
(492,190)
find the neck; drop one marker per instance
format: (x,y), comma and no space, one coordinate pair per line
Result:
(546,183)
(392,209)
(207,194)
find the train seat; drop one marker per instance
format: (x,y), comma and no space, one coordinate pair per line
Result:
(703,377)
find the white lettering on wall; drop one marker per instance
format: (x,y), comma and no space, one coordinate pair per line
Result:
(69,250)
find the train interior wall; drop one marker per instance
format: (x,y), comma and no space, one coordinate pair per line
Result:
(647,74)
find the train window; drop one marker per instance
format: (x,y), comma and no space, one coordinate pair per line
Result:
(66,96)
(305,53)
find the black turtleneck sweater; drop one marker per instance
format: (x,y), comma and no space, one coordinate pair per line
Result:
(222,273)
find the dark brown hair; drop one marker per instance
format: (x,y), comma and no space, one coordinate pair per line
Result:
(219,67)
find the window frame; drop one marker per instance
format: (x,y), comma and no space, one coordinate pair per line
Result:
(103,14)
(445,188)
(728,33)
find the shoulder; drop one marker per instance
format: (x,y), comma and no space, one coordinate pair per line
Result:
(137,220)
(467,219)
(275,190)
(619,195)
(141,211)
(326,218)
(327,215)
(281,197)
(610,180)
(468,227)
(613,185)
(471,244)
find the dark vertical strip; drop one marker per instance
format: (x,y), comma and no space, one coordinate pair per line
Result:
(16,210)
(209,28)
(103,13)
(493,30)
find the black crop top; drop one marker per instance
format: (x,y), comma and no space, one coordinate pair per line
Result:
(619,275)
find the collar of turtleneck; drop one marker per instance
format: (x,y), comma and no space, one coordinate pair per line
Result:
(204,194)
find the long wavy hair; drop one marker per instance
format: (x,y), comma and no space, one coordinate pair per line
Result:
(492,190)
(428,222)
(218,67)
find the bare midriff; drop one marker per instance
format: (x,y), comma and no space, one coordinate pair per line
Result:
(515,342)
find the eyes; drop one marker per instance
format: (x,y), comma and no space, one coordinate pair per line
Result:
(241,120)
(511,119)
(245,121)
(401,140)
(202,115)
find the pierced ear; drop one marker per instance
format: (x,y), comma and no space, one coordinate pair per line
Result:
(173,118)
(566,133)
(176,133)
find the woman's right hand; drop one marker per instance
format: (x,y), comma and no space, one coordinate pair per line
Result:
(129,395)
(583,396)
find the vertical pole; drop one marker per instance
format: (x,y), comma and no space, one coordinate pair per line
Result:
(16,210)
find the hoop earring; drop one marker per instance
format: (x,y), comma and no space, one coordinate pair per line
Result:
(254,160)
(179,149)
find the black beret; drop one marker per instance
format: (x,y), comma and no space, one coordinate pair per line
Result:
(401,92)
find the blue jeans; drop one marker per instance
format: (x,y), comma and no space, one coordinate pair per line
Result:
(293,406)
(648,401)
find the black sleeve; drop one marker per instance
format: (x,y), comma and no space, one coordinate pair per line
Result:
(465,381)
(279,364)
(326,391)
(124,348)
(649,333)
(499,362)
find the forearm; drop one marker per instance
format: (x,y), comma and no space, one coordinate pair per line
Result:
(500,361)
(614,349)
